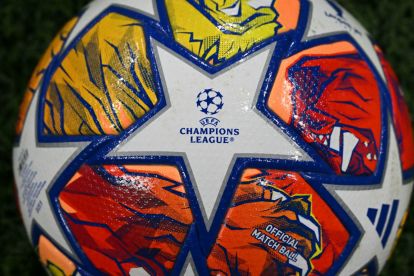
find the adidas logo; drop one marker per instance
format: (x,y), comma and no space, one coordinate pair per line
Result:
(383,220)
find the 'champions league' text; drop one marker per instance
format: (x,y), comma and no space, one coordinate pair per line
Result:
(210,135)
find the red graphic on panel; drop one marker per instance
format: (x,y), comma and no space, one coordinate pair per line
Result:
(277,225)
(330,95)
(128,217)
(401,115)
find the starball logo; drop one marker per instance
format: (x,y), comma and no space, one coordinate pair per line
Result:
(210,102)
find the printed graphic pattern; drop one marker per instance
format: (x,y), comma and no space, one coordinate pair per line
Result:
(279,224)
(225,29)
(331,97)
(53,50)
(124,217)
(401,116)
(104,84)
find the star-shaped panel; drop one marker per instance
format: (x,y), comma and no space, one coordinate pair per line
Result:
(248,133)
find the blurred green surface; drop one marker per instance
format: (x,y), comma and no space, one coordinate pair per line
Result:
(27,27)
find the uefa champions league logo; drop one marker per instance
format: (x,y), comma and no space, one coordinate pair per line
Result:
(210,102)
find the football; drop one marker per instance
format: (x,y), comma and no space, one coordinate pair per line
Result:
(188,137)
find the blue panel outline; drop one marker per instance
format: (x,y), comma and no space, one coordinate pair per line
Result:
(37,231)
(45,71)
(408,173)
(199,240)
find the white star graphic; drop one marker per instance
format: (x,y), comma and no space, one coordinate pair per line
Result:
(210,164)
(359,201)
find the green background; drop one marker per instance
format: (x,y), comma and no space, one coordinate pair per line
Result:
(27,27)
